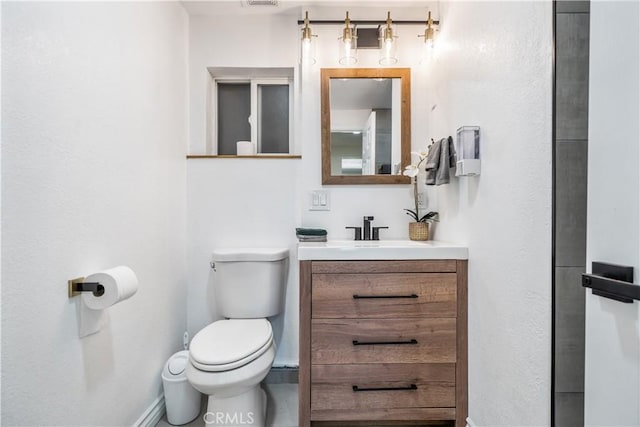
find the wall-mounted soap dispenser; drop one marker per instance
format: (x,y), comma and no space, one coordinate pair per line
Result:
(468,151)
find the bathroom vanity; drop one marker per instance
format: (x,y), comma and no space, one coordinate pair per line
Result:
(383,333)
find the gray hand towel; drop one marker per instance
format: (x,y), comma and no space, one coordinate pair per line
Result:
(452,153)
(432,162)
(447,160)
(441,157)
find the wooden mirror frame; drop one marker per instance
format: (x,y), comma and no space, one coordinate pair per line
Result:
(404,74)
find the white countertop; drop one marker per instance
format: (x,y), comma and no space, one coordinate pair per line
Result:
(380,250)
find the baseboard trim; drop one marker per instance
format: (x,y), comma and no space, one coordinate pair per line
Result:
(153,414)
(282,375)
(470,422)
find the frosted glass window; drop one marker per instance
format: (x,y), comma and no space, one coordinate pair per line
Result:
(273,125)
(252,109)
(234,109)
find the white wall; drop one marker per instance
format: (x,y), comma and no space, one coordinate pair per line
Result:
(494,70)
(612,329)
(94,137)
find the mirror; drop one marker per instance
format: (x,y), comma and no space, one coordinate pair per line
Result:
(366,125)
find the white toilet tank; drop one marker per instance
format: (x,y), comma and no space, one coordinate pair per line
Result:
(250,283)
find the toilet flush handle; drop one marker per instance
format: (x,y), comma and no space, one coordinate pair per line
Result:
(213,265)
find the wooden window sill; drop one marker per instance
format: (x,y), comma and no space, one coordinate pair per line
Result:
(257,156)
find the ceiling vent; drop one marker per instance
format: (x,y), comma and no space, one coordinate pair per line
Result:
(260,2)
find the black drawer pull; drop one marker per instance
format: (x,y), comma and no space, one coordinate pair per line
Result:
(411,341)
(411,387)
(383,296)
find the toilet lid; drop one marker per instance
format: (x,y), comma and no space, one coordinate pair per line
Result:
(228,341)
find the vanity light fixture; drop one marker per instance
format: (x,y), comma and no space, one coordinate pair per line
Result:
(347,44)
(308,44)
(429,33)
(429,39)
(388,44)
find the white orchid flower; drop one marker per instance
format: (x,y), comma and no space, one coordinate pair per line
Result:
(411,170)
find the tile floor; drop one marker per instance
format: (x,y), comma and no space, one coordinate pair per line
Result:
(282,407)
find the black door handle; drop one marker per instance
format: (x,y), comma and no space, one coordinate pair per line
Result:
(612,281)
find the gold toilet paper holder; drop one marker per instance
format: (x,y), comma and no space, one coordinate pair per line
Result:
(78,285)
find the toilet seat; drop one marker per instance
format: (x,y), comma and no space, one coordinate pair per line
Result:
(229,344)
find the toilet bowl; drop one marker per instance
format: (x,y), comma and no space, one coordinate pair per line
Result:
(229,358)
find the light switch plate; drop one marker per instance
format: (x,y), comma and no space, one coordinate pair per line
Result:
(319,200)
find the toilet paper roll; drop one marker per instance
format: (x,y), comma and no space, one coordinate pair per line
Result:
(119,284)
(245,148)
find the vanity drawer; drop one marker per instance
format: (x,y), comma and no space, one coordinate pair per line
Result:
(346,341)
(353,387)
(383,295)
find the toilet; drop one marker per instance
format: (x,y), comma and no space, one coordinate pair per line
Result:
(229,358)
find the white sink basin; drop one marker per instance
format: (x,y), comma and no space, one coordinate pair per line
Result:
(380,250)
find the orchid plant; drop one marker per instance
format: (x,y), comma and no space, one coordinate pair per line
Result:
(412,171)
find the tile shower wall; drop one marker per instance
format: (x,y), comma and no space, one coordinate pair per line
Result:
(572,82)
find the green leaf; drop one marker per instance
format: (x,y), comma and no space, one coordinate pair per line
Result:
(429,216)
(412,214)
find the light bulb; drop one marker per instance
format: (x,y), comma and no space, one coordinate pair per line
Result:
(388,44)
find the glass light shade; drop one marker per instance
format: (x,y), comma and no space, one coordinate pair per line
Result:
(307,44)
(428,50)
(308,51)
(388,49)
(388,44)
(430,36)
(347,51)
(429,41)
(429,44)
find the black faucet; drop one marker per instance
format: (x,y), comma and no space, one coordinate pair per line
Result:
(366,227)
(366,230)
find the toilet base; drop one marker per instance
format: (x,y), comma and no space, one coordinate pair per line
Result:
(246,409)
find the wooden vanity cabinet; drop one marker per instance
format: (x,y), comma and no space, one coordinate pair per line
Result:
(383,342)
